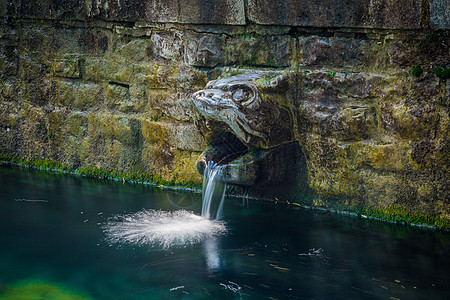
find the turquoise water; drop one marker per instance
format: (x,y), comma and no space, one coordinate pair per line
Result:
(53,240)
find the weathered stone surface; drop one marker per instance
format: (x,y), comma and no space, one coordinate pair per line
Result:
(204,50)
(136,50)
(117,97)
(404,14)
(176,11)
(9,64)
(330,173)
(345,123)
(185,137)
(430,49)
(70,9)
(3,8)
(409,121)
(101,69)
(153,11)
(68,67)
(161,10)
(260,50)
(230,12)
(79,96)
(359,86)
(440,14)
(173,106)
(166,46)
(336,51)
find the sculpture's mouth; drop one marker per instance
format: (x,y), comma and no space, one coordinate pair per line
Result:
(244,165)
(224,148)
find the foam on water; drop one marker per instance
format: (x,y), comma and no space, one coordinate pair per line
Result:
(161,228)
(173,228)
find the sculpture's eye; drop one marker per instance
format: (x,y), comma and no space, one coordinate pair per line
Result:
(243,95)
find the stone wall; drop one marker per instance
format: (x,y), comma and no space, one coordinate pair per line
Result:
(105,87)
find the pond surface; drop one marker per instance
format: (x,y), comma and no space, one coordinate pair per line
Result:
(53,242)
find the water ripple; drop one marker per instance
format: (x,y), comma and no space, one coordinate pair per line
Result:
(161,228)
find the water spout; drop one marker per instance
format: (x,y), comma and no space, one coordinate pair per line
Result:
(213,193)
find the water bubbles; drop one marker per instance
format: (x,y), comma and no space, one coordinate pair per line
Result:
(313,252)
(232,286)
(175,228)
(161,228)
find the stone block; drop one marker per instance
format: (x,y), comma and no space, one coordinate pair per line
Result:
(330,170)
(9,64)
(76,125)
(136,50)
(107,69)
(67,67)
(227,12)
(163,104)
(175,135)
(409,121)
(115,127)
(440,14)
(353,123)
(402,14)
(392,156)
(117,97)
(161,11)
(350,122)
(260,50)
(167,46)
(185,136)
(48,9)
(336,51)
(173,77)
(204,50)
(331,90)
(160,77)
(3,8)
(154,132)
(94,41)
(379,188)
(78,95)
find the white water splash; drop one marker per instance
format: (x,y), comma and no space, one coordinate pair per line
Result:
(174,228)
(161,228)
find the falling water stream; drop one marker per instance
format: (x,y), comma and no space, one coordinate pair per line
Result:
(173,228)
(213,192)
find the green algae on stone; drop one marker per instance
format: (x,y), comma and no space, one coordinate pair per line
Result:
(443,73)
(188,181)
(417,71)
(39,163)
(40,290)
(404,215)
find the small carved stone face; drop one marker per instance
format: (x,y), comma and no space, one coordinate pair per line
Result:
(239,122)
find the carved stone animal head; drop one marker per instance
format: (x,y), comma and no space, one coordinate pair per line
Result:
(240,124)
(236,105)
